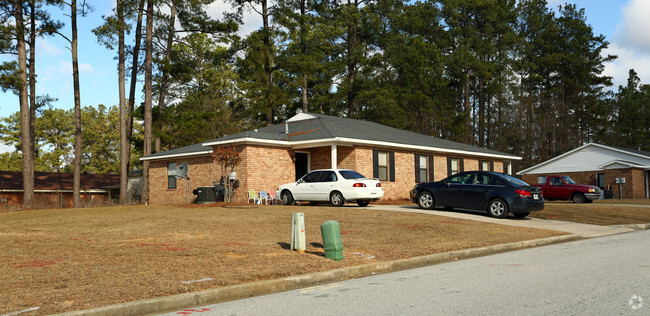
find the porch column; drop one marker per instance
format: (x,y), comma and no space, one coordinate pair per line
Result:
(333,155)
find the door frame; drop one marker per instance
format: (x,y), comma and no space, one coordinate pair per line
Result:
(295,163)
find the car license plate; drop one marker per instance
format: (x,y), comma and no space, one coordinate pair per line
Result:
(535,197)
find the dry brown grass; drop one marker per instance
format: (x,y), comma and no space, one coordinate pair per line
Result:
(624,201)
(73,259)
(598,213)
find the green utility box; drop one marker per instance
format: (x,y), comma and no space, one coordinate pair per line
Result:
(332,240)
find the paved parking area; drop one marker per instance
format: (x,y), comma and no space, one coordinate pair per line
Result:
(586,230)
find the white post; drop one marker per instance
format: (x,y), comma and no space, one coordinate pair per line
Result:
(298,232)
(334,155)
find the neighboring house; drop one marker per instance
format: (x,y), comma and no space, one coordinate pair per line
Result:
(283,153)
(599,165)
(54,190)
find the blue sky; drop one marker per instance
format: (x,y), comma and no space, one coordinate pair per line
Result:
(625,23)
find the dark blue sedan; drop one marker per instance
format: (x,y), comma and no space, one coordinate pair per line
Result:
(496,193)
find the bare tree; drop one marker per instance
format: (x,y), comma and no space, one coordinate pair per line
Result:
(148,79)
(28,156)
(125,144)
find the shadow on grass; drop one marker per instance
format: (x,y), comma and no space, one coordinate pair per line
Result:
(287,246)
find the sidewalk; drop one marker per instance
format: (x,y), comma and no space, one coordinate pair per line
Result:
(584,230)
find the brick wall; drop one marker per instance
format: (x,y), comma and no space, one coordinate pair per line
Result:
(200,170)
(498,166)
(266,168)
(45,200)
(470,164)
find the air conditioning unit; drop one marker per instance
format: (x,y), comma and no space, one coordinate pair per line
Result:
(205,195)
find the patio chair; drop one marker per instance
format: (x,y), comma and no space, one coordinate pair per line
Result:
(271,198)
(278,197)
(264,197)
(253,196)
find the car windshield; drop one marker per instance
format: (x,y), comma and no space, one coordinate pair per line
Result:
(349,174)
(568,180)
(515,181)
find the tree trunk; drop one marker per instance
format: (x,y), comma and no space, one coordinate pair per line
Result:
(467,108)
(148,78)
(165,73)
(134,70)
(303,50)
(76,189)
(351,59)
(28,157)
(267,62)
(125,145)
(32,79)
(481,115)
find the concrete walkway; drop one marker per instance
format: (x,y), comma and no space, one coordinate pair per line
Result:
(585,230)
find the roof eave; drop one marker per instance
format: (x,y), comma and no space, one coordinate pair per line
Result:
(196,153)
(351,141)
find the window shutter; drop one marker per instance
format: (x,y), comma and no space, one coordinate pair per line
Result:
(375,164)
(461,165)
(491,165)
(448,166)
(391,165)
(430,168)
(417,168)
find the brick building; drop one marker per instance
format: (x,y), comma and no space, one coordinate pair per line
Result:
(283,153)
(599,165)
(55,190)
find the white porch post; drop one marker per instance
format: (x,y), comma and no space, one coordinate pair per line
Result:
(333,154)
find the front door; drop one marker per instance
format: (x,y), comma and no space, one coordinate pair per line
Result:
(302,165)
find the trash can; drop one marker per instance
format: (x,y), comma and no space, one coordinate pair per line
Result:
(332,243)
(608,194)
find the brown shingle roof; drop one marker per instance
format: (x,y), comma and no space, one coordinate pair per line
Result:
(13,180)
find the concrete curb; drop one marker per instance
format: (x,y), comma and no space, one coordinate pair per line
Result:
(636,226)
(236,292)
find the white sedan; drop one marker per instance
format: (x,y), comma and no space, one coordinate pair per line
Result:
(335,185)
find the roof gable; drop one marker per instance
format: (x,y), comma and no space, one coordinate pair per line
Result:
(589,157)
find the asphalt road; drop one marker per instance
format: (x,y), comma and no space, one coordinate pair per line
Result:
(601,276)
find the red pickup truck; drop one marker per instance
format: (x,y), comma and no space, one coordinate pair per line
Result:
(560,187)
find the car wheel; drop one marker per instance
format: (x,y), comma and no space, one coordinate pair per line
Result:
(425,201)
(337,199)
(521,214)
(313,203)
(578,198)
(363,203)
(498,208)
(287,198)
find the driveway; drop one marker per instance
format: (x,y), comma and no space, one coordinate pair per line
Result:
(586,230)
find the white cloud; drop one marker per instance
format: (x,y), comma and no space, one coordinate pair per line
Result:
(631,43)
(627,59)
(251,20)
(45,48)
(86,68)
(633,32)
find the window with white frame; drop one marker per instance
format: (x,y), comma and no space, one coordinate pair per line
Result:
(382,164)
(171,179)
(423,169)
(454,166)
